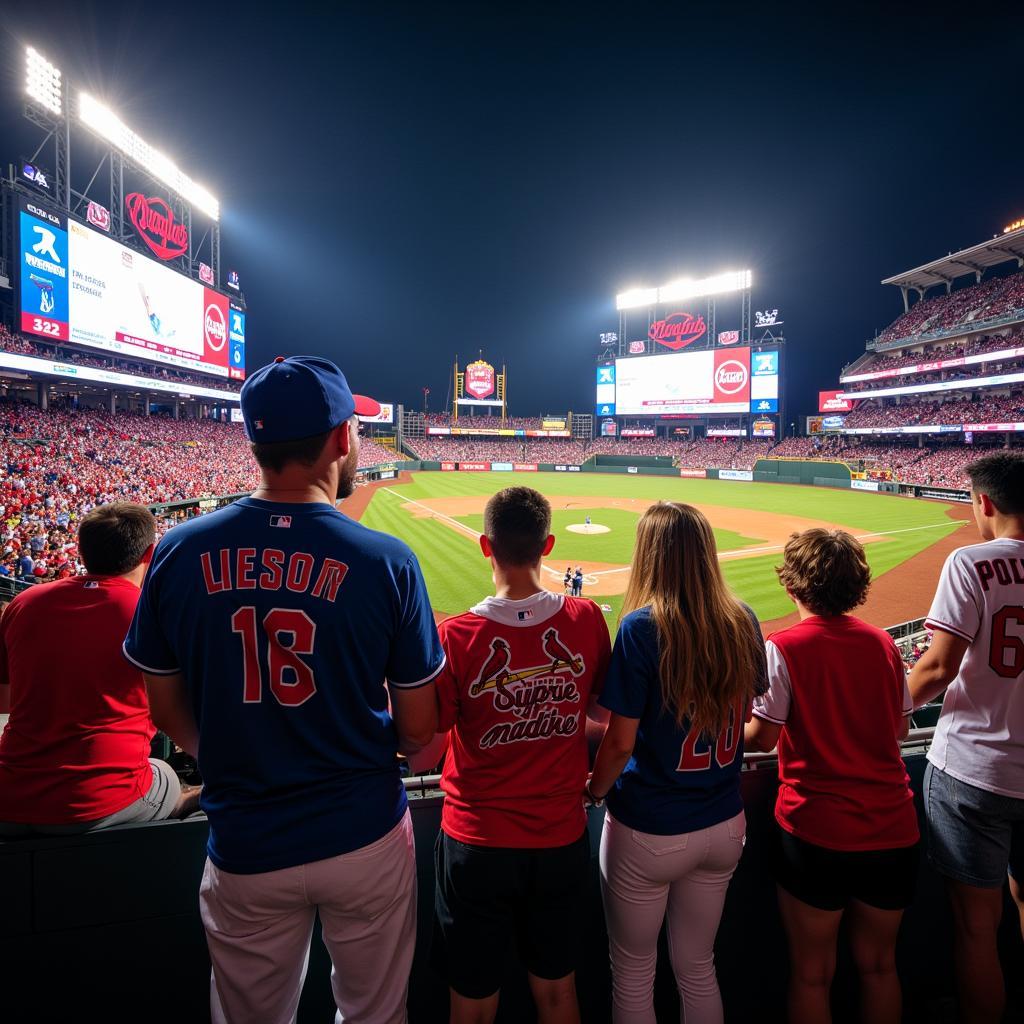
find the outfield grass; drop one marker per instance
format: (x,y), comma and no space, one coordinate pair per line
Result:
(457,575)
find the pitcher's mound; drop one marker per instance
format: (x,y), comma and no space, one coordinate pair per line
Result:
(588,528)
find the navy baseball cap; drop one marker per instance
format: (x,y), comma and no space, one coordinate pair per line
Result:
(299,397)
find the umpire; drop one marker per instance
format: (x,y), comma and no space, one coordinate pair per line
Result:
(266,631)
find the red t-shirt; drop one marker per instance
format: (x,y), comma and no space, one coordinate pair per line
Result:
(514,693)
(76,747)
(838,687)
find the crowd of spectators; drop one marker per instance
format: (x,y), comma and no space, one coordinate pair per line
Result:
(984,409)
(22,345)
(938,352)
(994,297)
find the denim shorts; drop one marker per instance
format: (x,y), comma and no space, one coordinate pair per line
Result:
(974,836)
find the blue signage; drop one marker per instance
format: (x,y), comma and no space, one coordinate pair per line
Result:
(765,405)
(608,409)
(44,272)
(765,364)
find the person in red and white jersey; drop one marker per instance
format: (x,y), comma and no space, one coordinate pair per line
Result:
(974,783)
(513,856)
(847,845)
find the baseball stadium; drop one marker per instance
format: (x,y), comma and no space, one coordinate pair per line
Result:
(123,337)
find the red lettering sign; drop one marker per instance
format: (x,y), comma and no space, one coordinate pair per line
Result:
(476,467)
(448,467)
(154,220)
(480,379)
(525,467)
(97,215)
(728,337)
(829,401)
(677,330)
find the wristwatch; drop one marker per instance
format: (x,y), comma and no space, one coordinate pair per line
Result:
(595,802)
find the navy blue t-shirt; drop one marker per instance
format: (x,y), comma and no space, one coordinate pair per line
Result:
(285,620)
(675,782)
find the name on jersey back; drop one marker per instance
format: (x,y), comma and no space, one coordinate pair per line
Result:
(272,569)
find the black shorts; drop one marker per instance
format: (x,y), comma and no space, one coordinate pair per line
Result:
(487,896)
(829,879)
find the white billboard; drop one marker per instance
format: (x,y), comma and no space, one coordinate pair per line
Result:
(709,381)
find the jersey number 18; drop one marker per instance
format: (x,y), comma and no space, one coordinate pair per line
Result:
(291,678)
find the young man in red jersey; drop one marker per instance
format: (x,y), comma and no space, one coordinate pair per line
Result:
(513,856)
(75,754)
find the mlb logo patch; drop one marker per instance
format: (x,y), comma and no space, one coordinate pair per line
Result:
(524,615)
(258,424)
(90,585)
(282,521)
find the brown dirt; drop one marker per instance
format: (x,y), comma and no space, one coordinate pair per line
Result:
(905,592)
(355,505)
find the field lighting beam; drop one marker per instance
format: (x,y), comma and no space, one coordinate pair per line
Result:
(685,288)
(105,123)
(43,82)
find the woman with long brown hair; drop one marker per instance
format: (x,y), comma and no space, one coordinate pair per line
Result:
(687,663)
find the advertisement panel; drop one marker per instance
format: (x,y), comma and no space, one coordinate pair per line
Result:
(501,467)
(525,467)
(553,424)
(567,469)
(236,335)
(945,385)
(438,431)
(829,401)
(608,428)
(864,485)
(678,330)
(448,467)
(236,416)
(709,381)
(637,432)
(475,467)
(632,469)
(81,286)
(735,474)
(762,428)
(940,364)
(725,432)
(605,386)
(695,474)
(832,422)
(386,415)
(479,379)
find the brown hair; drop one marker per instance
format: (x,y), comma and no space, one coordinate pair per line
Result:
(707,641)
(825,570)
(517,522)
(1001,477)
(304,450)
(113,538)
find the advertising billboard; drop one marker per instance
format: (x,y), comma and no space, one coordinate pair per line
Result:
(81,286)
(829,401)
(708,381)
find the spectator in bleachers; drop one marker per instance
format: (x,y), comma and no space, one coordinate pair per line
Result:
(846,842)
(687,662)
(974,783)
(296,745)
(74,756)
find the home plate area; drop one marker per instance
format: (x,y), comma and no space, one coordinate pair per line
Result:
(588,528)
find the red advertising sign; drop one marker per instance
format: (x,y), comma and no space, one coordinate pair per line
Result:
(732,376)
(637,348)
(154,220)
(829,401)
(678,330)
(697,474)
(728,337)
(215,328)
(479,380)
(206,274)
(525,467)
(448,467)
(98,216)
(476,467)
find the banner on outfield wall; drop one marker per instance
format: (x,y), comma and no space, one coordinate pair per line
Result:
(864,485)
(632,469)
(725,432)
(387,474)
(951,495)
(448,467)
(829,401)
(475,467)
(567,469)
(696,474)
(501,467)
(638,432)
(525,467)
(735,474)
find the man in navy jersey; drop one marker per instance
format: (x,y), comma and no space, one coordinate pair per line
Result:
(271,634)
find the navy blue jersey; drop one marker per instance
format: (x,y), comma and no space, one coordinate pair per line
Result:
(286,620)
(676,781)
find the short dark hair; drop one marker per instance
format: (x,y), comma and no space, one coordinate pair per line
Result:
(517,522)
(304,450)
(825,570)
(113,538)
(1001,477)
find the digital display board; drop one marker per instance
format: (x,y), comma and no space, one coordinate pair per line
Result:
(709,381)
(83,287)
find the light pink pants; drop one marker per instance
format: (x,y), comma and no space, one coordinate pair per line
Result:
(258,928)
(643,877)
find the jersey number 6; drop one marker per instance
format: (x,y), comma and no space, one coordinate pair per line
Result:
(291,678)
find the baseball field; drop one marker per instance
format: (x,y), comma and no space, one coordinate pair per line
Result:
(440,515)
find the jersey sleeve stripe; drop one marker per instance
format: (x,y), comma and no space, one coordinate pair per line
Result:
(768,718)
(146,668)
(420,682)
(947,628)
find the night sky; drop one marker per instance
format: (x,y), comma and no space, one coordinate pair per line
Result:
(399,184)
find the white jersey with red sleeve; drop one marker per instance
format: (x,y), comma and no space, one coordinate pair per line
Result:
(979,738)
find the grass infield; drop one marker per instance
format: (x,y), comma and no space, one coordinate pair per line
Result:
(458,576)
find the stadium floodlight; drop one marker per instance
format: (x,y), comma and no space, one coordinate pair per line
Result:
(636,297)
(684,288)
(43,81)
(108,125)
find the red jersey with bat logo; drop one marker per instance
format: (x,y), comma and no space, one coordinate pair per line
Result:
(514,694)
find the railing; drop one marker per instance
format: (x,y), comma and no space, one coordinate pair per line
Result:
(1014,316)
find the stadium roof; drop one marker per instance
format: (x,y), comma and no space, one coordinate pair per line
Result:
(1008,246)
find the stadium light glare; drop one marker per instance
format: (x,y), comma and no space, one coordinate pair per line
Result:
(684,288)
(108,125)
(42,81)
(636,297)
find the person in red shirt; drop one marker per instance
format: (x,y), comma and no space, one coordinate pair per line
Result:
(74,755)
(847,842)
(513,856)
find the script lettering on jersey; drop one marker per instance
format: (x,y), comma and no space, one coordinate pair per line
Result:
(1003,570)
(272,569)
(531,700)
